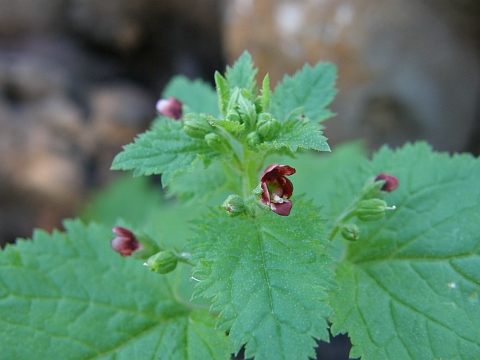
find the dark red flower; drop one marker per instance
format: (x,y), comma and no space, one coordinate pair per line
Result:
(277,189)
(125,242)
(391,182)
(170,107)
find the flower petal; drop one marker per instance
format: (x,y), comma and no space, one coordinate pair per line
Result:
(265,198)
(120,231)
(282,208)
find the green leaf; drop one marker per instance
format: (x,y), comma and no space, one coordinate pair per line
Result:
(310,88)
(165,149)
(410,285)
(202,184)
(267,276)
(298,133)
(70,296)
(242,73)
(247,112)
(266,94)
(223,92)
(197,95)
(127,198)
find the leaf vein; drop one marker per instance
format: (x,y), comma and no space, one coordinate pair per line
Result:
(413,309)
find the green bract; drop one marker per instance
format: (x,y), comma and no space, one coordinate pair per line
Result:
(371,209)
(162,262)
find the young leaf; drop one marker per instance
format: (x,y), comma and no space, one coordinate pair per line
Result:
(310,88)
(223,92)
(298,133)
(242,73)
(410,285)
(70,296)
(165,149)
(267,276)
(266,94)
(197,95)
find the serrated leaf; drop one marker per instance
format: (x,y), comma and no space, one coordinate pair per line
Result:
(410,285)
(311,88)
(223,92)
(266,94)
(197,95)
(166,150)
(70,296)
(242,73)
(267,276)
(298,134)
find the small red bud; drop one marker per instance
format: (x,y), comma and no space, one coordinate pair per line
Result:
(125,242)
(170,107)
(391,182)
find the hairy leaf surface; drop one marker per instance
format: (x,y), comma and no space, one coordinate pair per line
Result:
(267,276)
(70,296)
(242,73)
(410,285)
(311,88)
(298,134)
(165,149)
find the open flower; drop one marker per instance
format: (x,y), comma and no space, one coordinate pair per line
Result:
(125,242)
(277,189)
(170,107)
(391,182)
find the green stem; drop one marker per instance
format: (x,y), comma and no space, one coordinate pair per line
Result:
(346,215)
(249,172)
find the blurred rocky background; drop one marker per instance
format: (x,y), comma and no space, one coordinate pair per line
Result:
(79,78)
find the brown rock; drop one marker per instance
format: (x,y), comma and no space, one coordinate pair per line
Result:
(398,63)
(19,17)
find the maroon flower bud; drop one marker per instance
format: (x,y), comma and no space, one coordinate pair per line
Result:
(170,107)
(277,189)
(391,182)
(125,242)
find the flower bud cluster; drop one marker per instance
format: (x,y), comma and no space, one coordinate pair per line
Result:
(267,128)
(370,206)
(197,126)
(256,122)
(142,247)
